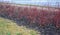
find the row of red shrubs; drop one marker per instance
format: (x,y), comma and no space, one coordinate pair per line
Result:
(32,14)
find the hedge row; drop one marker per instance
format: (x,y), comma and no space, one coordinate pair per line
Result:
(31,14)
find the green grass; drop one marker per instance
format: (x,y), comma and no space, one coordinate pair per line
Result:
(9,27)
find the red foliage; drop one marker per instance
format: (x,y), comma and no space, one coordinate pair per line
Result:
(43,17)
(57,19)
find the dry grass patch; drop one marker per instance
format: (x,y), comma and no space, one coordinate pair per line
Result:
(8,27)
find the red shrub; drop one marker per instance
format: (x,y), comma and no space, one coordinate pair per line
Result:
(41,16)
